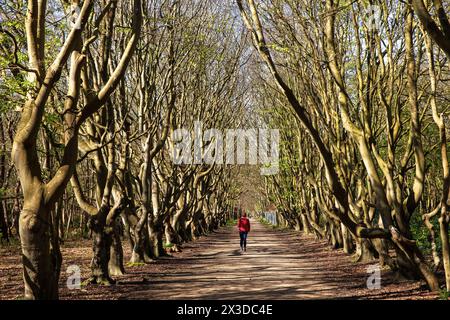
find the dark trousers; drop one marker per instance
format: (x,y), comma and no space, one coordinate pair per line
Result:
(243,236)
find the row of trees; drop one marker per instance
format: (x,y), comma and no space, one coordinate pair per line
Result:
(359,91)
(91,92)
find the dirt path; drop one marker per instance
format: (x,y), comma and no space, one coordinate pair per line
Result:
(278,264)
(271,268)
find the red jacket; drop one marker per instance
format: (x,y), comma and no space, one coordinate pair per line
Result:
(244,224)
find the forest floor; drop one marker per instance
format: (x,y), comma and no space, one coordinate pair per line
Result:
(278,264)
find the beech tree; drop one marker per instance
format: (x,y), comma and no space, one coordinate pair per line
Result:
(41,254)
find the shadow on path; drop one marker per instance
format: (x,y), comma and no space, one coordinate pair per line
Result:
(277,265)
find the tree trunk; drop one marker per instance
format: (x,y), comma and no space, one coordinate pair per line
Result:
(179,225)
(336,238)
(156,240)
(203,225)
(183,230)
(364,251)
(412,265)
(40,269)
(347,241)
(306,228)
(195,230)
(141,248)
(3,223)
(115,265)
(101,247)
(298,224)
(171,237)
(443,226)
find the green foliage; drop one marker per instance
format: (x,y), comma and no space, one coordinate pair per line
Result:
(13,82)
(258,206)
(231,222)
(265,222)
(270,225)
(420,233)
(52,118)
(4,192)
(444,294)
(13,243)
(278,48)
(12,90)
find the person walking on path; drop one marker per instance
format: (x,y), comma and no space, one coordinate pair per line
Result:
(244,229)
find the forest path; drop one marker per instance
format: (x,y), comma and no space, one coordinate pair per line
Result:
(277,265)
